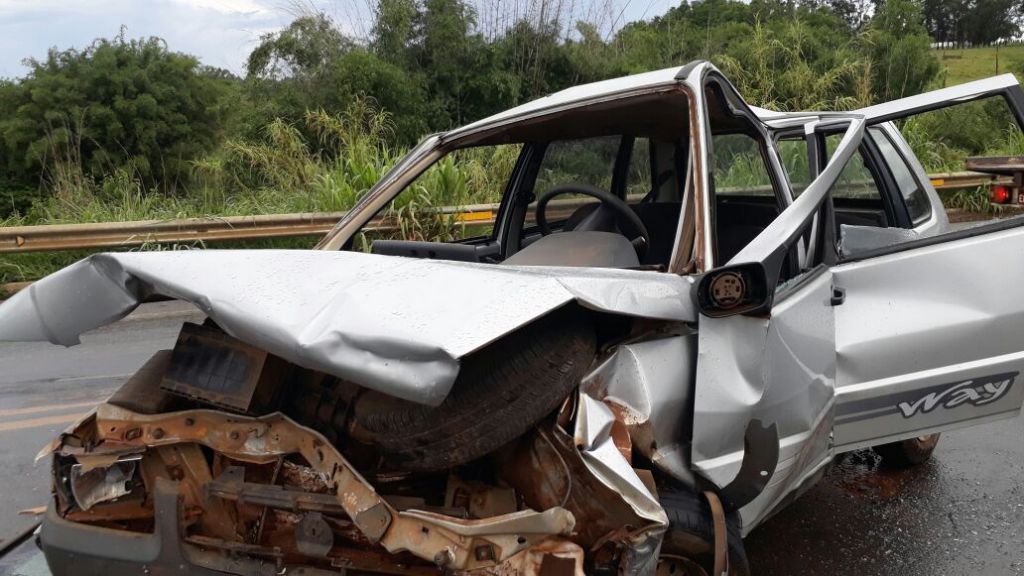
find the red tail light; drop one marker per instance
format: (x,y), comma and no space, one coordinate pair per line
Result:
(1000,194)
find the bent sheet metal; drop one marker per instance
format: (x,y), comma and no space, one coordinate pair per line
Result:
(396,325)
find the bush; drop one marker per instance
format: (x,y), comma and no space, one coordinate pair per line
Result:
(117,105)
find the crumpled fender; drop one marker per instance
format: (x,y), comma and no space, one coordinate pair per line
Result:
(396,325)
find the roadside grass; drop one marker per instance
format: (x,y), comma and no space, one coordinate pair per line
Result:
(328,162)
(966,64)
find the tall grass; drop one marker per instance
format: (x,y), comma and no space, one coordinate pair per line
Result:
(324,164)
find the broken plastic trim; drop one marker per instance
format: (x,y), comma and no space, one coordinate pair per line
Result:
(449,542)
(760,457)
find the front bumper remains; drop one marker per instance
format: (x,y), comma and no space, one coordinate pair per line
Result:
(196,493)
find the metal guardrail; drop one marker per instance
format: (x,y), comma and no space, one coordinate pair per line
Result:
(22,239)
(50,237)
(19,239)
(955,180)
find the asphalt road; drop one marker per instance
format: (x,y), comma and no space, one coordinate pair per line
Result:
(44,388)
(960,513)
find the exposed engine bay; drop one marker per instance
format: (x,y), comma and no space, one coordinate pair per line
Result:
(223,458)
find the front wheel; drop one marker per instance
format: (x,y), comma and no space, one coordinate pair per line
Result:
(688,548)
(906,453)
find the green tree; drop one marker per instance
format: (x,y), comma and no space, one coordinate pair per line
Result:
(363,75)
(302,50)
(898,46)
(445,49)
(393,30)
(120,104)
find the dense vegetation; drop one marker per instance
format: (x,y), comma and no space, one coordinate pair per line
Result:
(130,129)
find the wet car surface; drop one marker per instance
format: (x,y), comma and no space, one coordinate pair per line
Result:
(960,513)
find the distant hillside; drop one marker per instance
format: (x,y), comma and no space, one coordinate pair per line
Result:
(958,66)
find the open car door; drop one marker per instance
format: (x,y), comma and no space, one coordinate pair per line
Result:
(806,351)
(931,334)
(766,362)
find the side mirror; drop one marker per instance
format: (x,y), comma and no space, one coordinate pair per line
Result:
(738,289)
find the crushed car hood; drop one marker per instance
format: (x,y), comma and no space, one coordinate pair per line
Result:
(392,324)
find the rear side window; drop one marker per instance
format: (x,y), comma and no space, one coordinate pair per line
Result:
(793,152)
(913,194)
(738,166)
(856,181)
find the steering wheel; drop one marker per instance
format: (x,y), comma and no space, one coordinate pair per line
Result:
(629,223)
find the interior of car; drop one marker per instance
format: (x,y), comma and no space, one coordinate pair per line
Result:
(599,186)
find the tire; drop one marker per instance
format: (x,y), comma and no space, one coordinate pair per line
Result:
(907,453)
(501,392)
(691,535)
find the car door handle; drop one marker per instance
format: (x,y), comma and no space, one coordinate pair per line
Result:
(838,296)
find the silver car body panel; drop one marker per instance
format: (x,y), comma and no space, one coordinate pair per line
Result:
(940,98)
(649,383)
(928,339)
(798,388)
(593,437)
(778,369)
(782,372)
(397,325)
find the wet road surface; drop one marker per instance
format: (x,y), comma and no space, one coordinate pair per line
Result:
(960,513)
(44,388)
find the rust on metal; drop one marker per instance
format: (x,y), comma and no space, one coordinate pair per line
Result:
(478,499)
(721,534)
(263,440)
(546,469)
(186,464)
(231,485)
(549,558)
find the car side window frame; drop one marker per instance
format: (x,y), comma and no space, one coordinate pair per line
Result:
(512,211)
(875,132)
(777,177)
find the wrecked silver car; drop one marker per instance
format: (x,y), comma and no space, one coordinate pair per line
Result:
(649,342)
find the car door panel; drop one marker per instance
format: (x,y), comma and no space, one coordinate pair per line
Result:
(929,339)
(930,336)
(765,380)
(798,373)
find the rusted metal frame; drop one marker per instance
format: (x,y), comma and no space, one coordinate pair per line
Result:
(231,485)
(721,543)
(687,254)
(701,154)
(186,465)
(449,542)
(263,513)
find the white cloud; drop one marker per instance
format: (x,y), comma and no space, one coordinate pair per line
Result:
(220,32)
(227,6)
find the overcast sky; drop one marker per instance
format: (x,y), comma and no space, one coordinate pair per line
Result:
(220,32)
